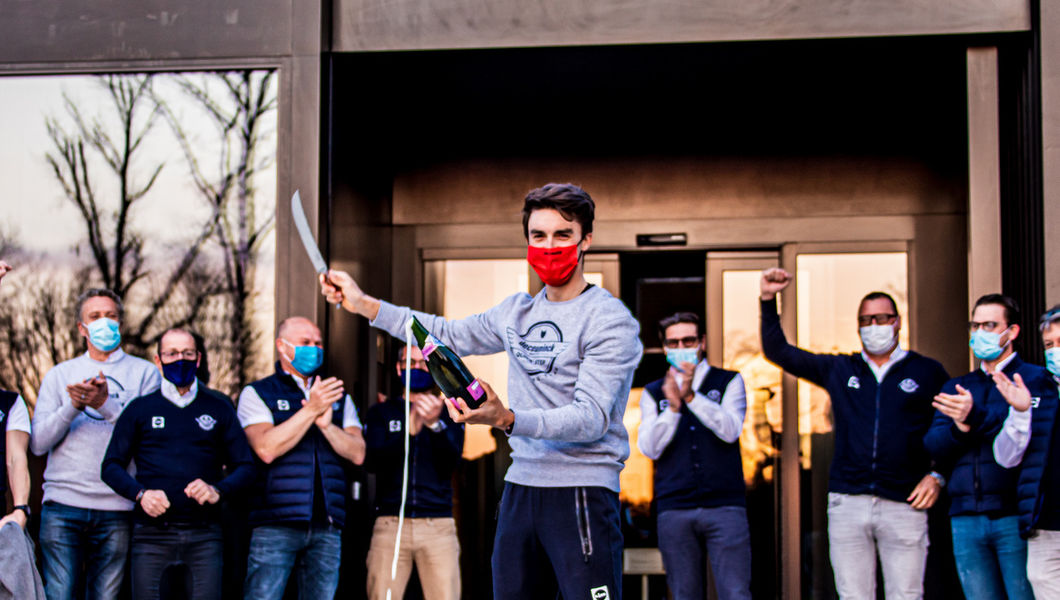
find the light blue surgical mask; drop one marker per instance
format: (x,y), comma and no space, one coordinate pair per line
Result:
(986,345)
(1052,360)
(676,356)
(307,359)
(103,333)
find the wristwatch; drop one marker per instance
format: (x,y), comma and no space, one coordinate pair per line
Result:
(939,478)
(139,496)
(24,508)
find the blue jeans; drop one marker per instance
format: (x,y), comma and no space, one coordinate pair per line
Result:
(198,549)
(277,549)
(70,536)
(688,537)
(991,557)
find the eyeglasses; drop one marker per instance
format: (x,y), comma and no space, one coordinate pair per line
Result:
(878,319)
(989,326)
(171,355)
(685,342)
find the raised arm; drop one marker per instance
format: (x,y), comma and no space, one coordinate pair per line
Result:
(473,335)
(796,361)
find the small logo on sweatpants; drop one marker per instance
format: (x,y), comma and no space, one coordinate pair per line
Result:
(599,593)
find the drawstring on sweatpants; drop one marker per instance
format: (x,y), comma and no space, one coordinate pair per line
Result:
(581,515)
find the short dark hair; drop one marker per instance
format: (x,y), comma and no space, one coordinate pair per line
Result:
(181,330)
(1012,310)
(1050,317)
(680,317)
(568,199)
(878,296)
(99,293)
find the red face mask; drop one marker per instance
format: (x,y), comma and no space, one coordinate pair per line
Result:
(553,265)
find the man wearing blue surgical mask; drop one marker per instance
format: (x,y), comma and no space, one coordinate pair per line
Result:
(690,423)
(303,428)
(1028,438)
(84,523)
(428,537)
(990,555)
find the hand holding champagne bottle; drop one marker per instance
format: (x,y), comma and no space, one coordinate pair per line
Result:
(448,371)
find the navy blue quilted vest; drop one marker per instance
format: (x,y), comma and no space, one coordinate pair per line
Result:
(285,493)
(698,469)
(1035,461)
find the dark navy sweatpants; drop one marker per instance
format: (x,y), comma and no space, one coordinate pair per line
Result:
(566,539)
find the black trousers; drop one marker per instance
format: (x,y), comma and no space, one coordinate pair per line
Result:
(195,552)
(566,540)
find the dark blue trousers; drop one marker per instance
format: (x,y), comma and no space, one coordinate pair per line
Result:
(157,548)
(558,540)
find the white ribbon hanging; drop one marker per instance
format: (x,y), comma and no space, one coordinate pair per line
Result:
(405,469)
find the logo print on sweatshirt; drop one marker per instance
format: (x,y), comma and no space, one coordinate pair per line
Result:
(537,349)
(115,391)
(395,425)
(283,405)
(908,386)
(158,422)
(854,383)
(206,422)
(599,593)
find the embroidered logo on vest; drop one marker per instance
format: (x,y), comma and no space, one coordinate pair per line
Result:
(395,425)
(158,422)
(599,593)
(2,415)
(1035,401)
(908,386)
(283,405)
(854,383)
(663,405)
(714,396)
(206,422)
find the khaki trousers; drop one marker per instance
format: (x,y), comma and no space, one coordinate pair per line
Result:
(430,543)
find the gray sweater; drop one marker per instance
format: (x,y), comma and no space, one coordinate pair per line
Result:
(75,440)
(570,369)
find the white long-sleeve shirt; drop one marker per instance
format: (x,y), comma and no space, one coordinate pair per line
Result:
(725,419)
(1012,441)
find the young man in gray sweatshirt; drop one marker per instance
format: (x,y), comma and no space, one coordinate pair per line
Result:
(572,350)
(82,519)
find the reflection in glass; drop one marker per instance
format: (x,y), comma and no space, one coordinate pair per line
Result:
(471,287)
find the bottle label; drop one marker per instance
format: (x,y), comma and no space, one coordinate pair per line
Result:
(475,389)
(430,345)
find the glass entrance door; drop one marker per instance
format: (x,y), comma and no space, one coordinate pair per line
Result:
(733,343)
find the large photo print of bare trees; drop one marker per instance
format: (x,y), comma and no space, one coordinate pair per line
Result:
(160,187)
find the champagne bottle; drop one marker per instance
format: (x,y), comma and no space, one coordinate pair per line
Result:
(448,371)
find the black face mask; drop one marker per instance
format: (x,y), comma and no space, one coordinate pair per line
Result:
(180,373)
(418,380)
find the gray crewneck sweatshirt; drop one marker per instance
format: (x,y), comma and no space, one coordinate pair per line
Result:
(570,369)
(76,440)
